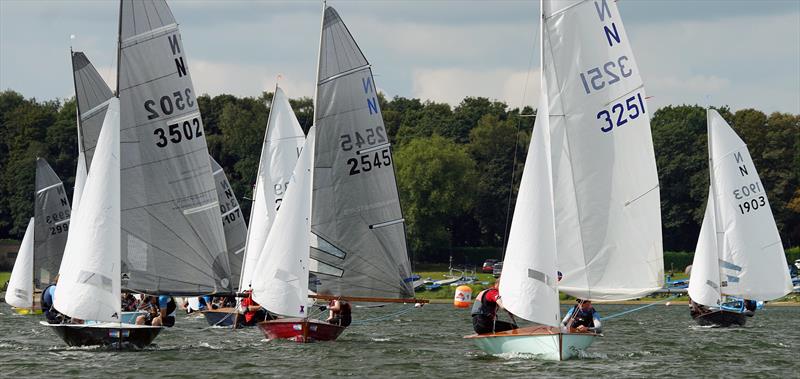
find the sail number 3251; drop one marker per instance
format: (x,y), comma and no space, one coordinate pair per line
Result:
(620,113)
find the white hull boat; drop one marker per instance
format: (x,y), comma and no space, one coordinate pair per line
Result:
(548,343)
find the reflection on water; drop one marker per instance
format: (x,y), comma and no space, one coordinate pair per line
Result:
(425,342)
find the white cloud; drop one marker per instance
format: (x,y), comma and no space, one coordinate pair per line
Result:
(451,85)
(216,78)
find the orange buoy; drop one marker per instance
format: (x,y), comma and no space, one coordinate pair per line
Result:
(463,297)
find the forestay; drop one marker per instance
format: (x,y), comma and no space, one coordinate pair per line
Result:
(172,238)
(232,222)
(51,219)
(282,283)
(89,280)
(752,261)
(359,246)
(283,141)
(19,292)
(605,185)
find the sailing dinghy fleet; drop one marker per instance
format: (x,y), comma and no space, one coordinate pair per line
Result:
(153,213)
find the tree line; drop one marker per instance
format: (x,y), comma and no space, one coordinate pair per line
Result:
(454,165)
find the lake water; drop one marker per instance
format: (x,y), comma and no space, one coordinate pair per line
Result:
(426,343)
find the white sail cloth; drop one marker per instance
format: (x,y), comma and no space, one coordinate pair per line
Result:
(529,284)
(283,141)
(605,184)
(89,281)
(751,260)
(20,286)
(282,283)
(704,279)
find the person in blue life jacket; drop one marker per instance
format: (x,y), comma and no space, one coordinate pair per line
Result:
(484,312)
(161,311)
(583,318)
(48,300)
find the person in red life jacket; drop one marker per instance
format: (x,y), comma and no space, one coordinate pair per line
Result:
(484,312)
(339,313)
(253,312)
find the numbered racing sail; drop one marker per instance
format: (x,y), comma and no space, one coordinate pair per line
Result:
(605,184)
(51,219)
(89,279)
(281,285)
(750,262)
(232,221)
(358,247)
(283,141)
(172,235)
(20,285)
(91,96)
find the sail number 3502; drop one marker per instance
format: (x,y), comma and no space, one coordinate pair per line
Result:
(177,132)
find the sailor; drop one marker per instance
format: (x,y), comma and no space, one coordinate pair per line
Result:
(484,312)
(48,298)
(253,312)
(583,318)
(129,302)
(161,311)
(339,313)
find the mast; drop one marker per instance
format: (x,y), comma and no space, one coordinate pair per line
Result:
(719,237)
(319,58)
(119,47)
(255,188)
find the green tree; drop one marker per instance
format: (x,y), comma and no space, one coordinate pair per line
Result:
(437,182)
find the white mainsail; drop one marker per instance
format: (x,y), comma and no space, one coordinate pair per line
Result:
(605,184)
(751,260)
(89,281)
(20,286)
(282,283)
(283,141)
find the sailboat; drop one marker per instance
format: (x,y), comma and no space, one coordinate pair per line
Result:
(19,293)
(283,140)
(588,202)
(739,252)
(235,239)
(43,242)
(340,233)
(170,236)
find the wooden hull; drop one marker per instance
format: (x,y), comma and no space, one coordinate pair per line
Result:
(223,317)
(547,343)
(720,318)
(106,334)
(300,330)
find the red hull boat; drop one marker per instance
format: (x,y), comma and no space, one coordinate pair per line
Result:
(300,330)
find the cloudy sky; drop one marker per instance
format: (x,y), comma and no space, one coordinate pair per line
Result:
(740,53)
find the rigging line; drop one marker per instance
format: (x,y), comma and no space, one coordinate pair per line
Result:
(516,140)
(640,308)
